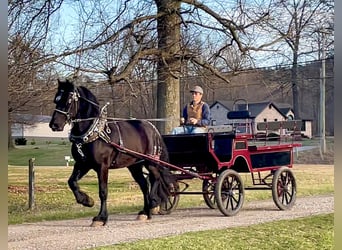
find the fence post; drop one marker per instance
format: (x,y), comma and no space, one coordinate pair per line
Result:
(31,183)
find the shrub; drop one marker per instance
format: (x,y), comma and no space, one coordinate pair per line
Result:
(20,141)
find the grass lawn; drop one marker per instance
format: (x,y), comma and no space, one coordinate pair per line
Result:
(49,152)
(316,232)
(54,200)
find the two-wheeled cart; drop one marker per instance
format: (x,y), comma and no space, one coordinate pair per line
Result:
(219,156)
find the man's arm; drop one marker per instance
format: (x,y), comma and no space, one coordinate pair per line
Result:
(185,113)
(205,121)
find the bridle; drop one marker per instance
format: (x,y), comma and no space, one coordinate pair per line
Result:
(73,99)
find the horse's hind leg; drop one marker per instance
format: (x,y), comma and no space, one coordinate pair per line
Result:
(138,176)
(80,196)
(161,182)
(154,179)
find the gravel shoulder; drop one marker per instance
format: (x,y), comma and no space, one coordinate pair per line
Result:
(77,234)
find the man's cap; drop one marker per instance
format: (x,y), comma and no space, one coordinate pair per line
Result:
(197,89)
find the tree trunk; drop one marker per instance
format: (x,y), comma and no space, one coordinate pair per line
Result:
(168,68)
(294,81)
(10,143)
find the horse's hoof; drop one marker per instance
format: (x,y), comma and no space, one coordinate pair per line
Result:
(97,223)
(155,210)
(90,202)
(142,217)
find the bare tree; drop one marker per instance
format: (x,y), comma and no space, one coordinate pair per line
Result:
(111,40)
(297,22)
(28,28)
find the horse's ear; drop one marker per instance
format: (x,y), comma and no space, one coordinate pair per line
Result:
(61,81)
(65,82)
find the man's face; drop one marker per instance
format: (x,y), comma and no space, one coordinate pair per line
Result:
(196,97)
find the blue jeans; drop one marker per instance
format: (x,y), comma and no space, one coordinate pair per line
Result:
(188,130)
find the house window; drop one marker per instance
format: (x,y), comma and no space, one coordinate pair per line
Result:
(217,106)
(265,119)
(275,119)
(303,127)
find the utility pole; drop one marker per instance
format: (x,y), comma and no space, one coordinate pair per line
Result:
(323,145)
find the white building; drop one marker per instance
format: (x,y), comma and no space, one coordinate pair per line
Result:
(37,126)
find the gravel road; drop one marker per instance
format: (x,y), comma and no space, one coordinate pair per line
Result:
(77,234)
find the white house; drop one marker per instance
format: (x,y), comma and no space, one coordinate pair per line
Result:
(37,126)
(262,111)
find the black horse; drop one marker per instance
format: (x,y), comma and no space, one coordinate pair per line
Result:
(93,136)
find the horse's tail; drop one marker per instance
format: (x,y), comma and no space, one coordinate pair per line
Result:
(167,179)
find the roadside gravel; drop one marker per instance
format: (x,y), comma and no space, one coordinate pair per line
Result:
(77,234)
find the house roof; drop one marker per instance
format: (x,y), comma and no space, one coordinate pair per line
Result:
(284,111)
(255,108)
(227,104)
(30,119)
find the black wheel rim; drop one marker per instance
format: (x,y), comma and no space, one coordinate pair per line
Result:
(285,187)
(231,193)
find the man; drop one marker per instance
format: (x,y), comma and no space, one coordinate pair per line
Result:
(196,114)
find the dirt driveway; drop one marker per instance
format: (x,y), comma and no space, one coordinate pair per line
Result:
(76,234)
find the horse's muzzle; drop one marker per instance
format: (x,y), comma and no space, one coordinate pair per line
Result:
(55,127)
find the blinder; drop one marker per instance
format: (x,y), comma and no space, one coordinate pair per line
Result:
(72,98)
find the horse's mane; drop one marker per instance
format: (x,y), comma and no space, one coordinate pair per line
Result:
(86,93)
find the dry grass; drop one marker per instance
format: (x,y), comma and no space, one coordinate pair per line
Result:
(314,156)
(314,176)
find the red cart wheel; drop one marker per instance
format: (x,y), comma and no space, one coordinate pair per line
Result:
(284,188)
(229,192)
(208,188)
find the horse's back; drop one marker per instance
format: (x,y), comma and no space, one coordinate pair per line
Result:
(140,135)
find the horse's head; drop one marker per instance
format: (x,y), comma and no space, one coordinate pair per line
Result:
(66,100)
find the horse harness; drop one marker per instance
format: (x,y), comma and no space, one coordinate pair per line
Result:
(100,129)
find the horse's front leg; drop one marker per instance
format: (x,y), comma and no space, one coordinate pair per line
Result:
(80,196)
(102,218)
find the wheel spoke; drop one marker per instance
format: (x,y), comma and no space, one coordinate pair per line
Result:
(236,199)
(229,190)
(284,188)
(230,199)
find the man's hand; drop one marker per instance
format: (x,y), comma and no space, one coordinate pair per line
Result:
(193,121)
